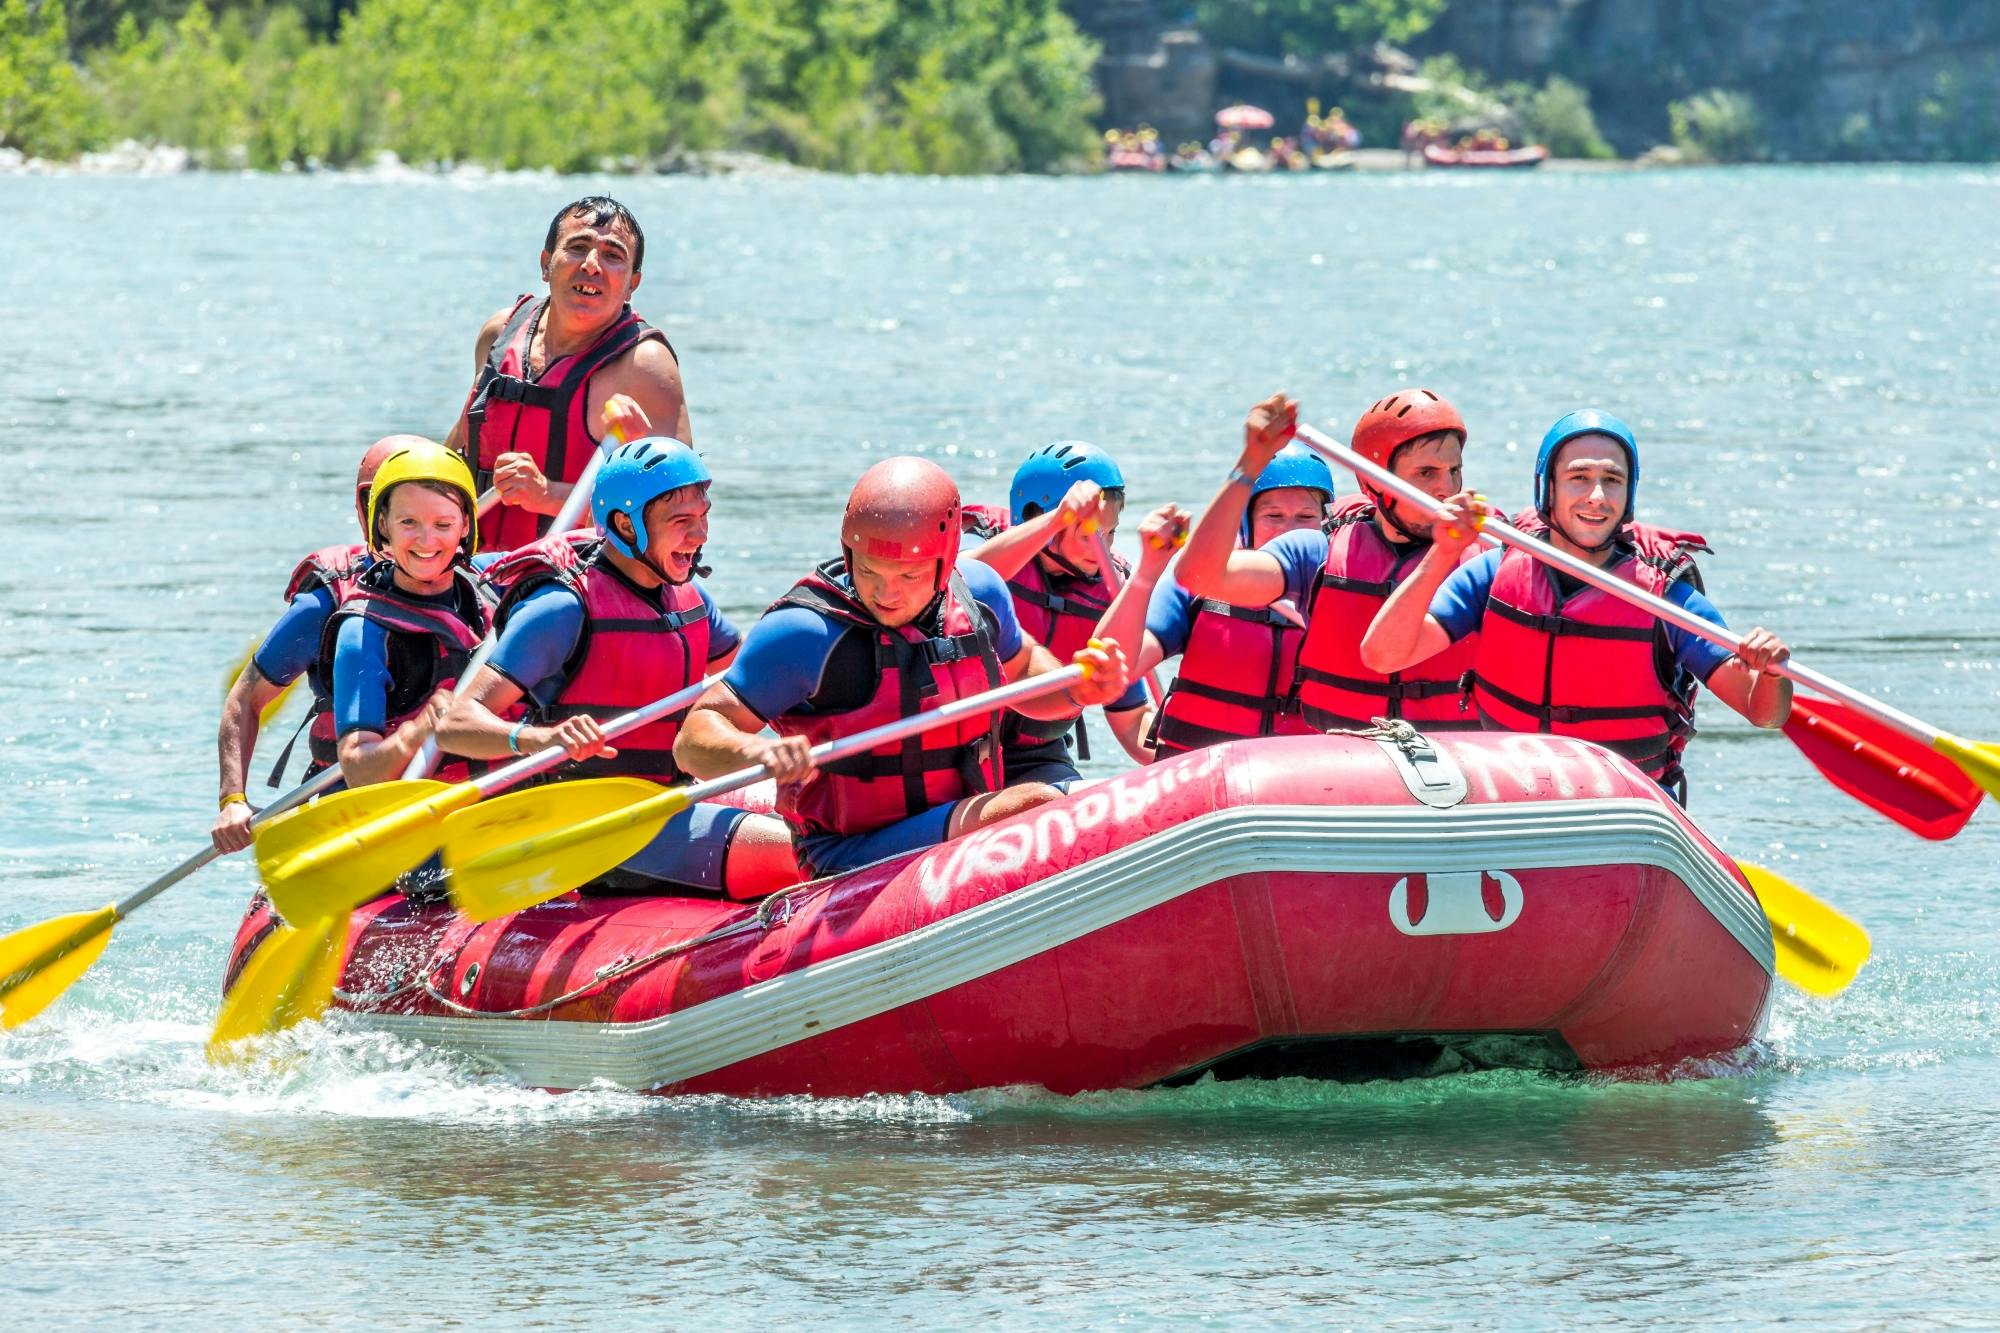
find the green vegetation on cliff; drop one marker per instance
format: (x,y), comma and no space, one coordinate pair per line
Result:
(851,85)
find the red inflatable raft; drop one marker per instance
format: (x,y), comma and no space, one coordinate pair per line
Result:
(1437,155)
(1266,907)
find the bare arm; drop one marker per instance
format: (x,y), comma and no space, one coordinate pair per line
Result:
(367,757)
(1131,726)
(235,740)
(1007,553)
(1404,631)
(1763,699)
(650,377)
(482,347)
(1107,681)
(1211,566)
(721,735)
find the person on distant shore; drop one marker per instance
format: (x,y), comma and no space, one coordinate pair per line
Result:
(547,366)
(896,625)
(292,648)
(1557,655)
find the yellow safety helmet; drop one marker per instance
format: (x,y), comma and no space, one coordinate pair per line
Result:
(425,461)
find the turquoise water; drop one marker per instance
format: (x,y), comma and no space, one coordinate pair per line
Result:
(196,362)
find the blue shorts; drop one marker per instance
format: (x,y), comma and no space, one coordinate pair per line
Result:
(693,848)
(833,854)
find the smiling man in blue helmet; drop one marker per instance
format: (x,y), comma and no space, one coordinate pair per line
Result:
(1556,655)
(1055,573)
(597,623)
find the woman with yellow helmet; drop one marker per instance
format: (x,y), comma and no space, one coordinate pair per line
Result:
(401,641)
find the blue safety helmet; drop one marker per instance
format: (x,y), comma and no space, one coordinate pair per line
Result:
(1046,475)
(1293,465)
(1588,421)
(637,474)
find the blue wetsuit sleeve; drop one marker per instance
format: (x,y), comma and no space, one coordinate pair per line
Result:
(723,636)
(1694,654)
(782,659)
(1170,617)
(1300,556)
(360,677)
(293,642)
(541,633)
(990,591)
(1460,601)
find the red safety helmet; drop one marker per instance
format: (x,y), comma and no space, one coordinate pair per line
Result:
(903,509)
(364,476)
(1408,414)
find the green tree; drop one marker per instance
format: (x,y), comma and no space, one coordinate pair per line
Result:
(1314,27)
(44,110)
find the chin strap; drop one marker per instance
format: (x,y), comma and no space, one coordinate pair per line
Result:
(1067,566)
(1386,507)
(1605,545)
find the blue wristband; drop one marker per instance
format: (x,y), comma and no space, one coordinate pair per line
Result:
(514,737)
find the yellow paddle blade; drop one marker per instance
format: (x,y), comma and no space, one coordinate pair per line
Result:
(321,859)
(1980,760)
(1820,949)
(289,980)
(39,962)
(524,848)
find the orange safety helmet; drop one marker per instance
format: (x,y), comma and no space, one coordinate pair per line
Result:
(903,509)
(1407,414)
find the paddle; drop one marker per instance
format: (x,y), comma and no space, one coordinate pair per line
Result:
(1930,787)
(290,979)
(326,858)
(512,853)
(1819,949)
(425,760)
(38,963)
(1113,581)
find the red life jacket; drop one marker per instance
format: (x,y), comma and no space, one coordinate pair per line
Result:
(1590,665)
(1061,613)
(1336,690)
(335,568)
(547,417)
(429,644)
(635,647)
(915,672)
(1235,679)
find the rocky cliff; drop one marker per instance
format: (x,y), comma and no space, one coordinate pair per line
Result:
(1830,78)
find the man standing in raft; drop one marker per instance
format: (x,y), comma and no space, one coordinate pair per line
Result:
(896,626)
(547,366)
(1237,663)
(414,616)
(1055,574)
(322,581)
(597,623)
(1556,655)
(1340,578)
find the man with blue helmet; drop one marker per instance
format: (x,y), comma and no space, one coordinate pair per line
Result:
(1557,655)
(1237,663)
(1063,498)
(597,623)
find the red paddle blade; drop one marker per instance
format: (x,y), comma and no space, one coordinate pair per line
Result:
(1883,769)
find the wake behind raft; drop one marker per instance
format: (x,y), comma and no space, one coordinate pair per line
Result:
(1262,907)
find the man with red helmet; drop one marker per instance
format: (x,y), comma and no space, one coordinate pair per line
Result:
(893,627)
(1556,655)
(548,365)
(1340,576)
(320,583)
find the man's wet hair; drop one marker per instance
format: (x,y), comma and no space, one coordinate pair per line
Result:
(601,209)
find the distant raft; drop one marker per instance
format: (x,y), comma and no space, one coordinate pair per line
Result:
(1532,155)
(1264,907)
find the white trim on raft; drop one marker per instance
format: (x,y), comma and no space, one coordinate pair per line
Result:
(1085,898)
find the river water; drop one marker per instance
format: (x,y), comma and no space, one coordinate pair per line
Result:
(1807,355)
